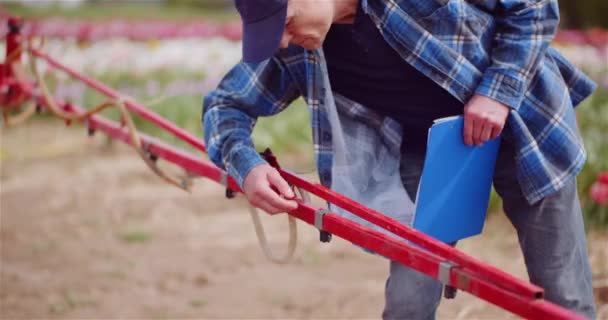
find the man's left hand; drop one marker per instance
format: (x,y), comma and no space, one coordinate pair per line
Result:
(484,119)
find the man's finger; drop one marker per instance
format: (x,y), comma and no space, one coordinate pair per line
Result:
(468,130)
(274,199)
(278,182)
(486,132)
(477,129)
(496,132)
(270,209)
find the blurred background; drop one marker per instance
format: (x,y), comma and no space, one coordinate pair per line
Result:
(88,232)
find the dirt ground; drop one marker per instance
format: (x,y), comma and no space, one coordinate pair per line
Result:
(88,232)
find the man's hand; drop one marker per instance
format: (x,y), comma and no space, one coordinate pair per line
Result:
(258,188)
(484,119)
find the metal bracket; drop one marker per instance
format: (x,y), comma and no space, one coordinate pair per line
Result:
(324,236)
(90,130)
(230,194)
(146,147)
(444,272)
(14,25)
(223,178)
(449,292)
(319,218)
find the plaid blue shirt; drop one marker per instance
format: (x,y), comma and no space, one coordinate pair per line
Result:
(496,48)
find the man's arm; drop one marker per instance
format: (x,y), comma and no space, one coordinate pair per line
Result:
(229,115)
(524,30)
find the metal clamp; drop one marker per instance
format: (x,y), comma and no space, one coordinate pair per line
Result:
(445,267)
(444,271)
(319,218)
(90,129)
(147,148)
(230,194)
(223,178)
(324,236)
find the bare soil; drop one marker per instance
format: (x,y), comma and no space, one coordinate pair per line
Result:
(88,232)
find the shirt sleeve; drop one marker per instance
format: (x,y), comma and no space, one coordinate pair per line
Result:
(230,112)
(524,30)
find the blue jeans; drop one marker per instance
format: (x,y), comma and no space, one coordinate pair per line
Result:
(551,236)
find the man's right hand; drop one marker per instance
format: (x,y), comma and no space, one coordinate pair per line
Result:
(258,188)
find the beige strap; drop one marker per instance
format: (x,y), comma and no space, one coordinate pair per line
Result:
(293,233)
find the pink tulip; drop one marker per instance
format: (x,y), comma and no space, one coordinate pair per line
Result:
(599,190)
(603,178)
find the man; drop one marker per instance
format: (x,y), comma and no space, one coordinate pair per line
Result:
(388,68)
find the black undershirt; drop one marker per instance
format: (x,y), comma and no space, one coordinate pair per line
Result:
(366,69)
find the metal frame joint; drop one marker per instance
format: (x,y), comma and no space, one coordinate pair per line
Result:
(445,268)
(324,236)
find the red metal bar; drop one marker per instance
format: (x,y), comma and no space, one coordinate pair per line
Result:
(415,258)
(375,217)
(13,40)
(131,105)
(179,157)
(14,49)
(483,269)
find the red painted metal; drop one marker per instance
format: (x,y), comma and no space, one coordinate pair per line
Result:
(469,275)
(14,49)
(130,104)
(366,213)
(427,263)
(419,238)
(14,40)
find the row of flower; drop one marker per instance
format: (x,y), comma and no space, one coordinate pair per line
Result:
(83,30)
(200,63)
(104,46)
(210,57)
(214,56)
(145,30)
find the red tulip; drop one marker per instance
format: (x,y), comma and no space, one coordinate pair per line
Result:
(603,178)
(599,190)
(232,31)
(597,37)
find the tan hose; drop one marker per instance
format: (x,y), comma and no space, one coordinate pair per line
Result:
(136,143)
(293,233)
(11,121)
(119,103)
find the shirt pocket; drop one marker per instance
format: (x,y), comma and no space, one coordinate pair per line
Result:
(463,27)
